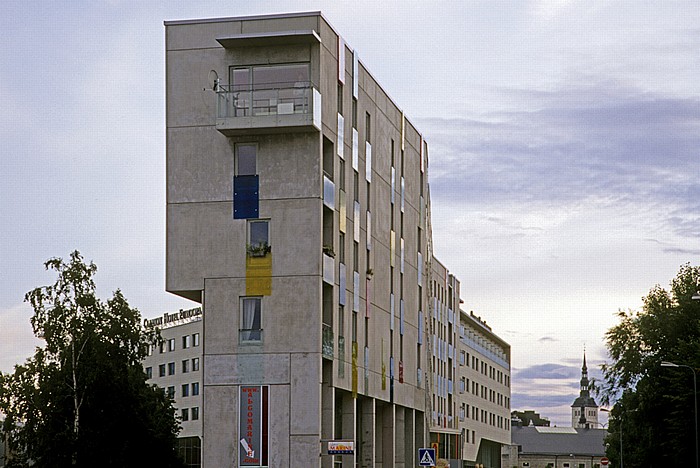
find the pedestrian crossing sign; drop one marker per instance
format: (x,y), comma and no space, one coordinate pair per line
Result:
(426,457)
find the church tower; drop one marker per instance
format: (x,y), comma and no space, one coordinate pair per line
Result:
(584,410)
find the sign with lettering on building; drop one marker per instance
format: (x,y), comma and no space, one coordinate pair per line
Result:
(253,425)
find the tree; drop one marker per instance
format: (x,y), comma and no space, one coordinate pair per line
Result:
(653,417)
(82,399)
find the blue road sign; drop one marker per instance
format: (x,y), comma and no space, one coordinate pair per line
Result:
(426,457)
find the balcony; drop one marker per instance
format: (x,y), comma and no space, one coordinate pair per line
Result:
(268,110)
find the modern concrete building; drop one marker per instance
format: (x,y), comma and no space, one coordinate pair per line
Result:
(297,202)
(484,392)
(298,216)
(175,365)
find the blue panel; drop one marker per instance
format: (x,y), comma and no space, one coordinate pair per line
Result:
(245,197)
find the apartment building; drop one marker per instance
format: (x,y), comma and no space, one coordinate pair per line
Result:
(175,365)
(484,391)
(298,216)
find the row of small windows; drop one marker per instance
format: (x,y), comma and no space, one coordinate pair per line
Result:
(187,414)
(484,368)
(484,416)
(168,345)
(188,389)
(188,365)
(485,392)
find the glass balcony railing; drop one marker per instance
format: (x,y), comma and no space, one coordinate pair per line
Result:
(265,109)
(327,345)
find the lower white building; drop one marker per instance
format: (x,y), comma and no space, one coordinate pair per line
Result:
(175,366)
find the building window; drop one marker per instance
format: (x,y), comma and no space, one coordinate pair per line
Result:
(251,319)
(171,391)
(195,364)
(185,390)
(246,159)
(195,339)
(195,388)
(171,344)
(258,238)
(171,368)
(185,366)
(185,413)
(149,372)
(195,413)
(161,370)
(186,340)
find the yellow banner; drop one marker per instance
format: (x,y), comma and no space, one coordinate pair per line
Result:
(258,275)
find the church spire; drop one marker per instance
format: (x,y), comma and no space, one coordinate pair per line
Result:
(584,411)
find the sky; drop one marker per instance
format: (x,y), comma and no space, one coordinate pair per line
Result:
(564,146)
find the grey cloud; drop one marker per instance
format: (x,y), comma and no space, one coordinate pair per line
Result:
(547,371)
(588,145)
(525,401)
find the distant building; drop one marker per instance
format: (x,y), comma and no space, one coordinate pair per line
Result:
(484,392)
(584,410)
(528,418)
(175,366)
(554,447)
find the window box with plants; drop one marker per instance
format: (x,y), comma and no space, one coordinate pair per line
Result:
(258,250)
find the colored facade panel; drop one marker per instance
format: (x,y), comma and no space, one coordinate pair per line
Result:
(258,275)
(246,197)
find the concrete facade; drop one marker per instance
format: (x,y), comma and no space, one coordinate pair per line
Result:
(334,300)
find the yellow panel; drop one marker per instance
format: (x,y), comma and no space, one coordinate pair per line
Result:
(343,212)
(354,369)
(258,275)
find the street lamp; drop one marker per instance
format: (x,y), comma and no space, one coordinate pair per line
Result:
(695,399)
(608,411)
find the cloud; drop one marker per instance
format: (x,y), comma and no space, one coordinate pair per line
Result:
(546,371)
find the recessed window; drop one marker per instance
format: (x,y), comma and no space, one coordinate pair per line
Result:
(186,340)
(161,370)
(195,388)
(185,366)
(246,159)
(171,344)
(171,391)
(195,364)
(195,339)
(251,319)
(258,238)
(185,414)
(195,413)
(149,372)
(171,368)
(185,392)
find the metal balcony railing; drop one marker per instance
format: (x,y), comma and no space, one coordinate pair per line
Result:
(282,99)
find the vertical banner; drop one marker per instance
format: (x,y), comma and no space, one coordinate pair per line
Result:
(253,419)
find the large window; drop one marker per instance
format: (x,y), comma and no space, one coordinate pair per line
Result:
(270,89)
(251,319)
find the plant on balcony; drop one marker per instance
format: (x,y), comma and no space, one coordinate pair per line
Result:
(370,273)
(258,250)
(328,250)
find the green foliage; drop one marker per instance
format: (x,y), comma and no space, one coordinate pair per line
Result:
(82,399)
(653,418)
